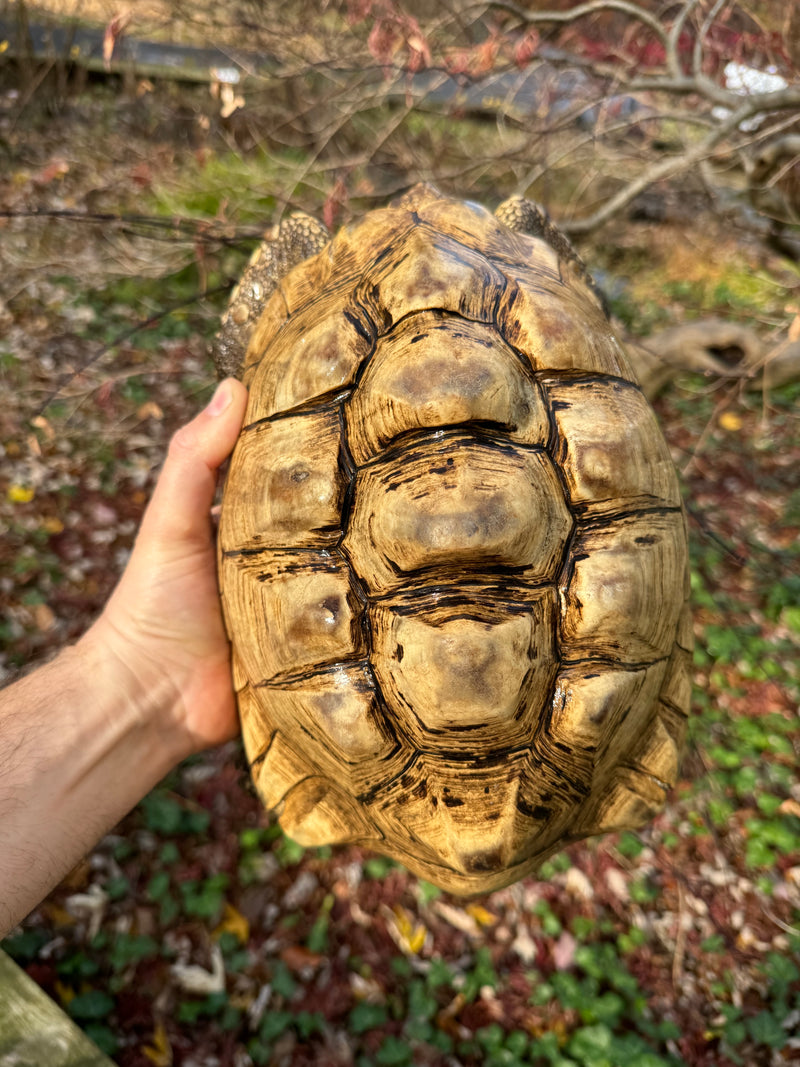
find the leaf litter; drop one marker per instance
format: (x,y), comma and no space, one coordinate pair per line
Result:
(196,934)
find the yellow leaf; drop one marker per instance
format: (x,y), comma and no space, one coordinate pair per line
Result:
(52,525)
(160,1052)
(729,420)
(412,934)
(41,423)
(64,992)
(44,617)
(233,922)
(20,494)
(150,410)
(481,916)
(59,916)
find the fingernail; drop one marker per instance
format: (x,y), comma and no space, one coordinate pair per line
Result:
(220,400)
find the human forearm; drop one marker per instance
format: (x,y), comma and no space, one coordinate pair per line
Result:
(84,738)
(82,741)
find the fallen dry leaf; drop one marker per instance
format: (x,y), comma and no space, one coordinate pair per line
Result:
(481,916)
(298,957)
(195,979)
(233,922)
(160,1051)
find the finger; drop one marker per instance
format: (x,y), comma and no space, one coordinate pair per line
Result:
(185,489)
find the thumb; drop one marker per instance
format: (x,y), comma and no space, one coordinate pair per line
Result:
(184,492)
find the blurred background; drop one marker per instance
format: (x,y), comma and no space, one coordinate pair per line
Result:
(145,149)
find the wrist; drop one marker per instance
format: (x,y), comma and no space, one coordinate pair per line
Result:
(144,700)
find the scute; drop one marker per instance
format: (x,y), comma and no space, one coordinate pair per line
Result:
(452,549)
(436,371)
(466,673)
(430,271)
(293,485)
(610,472)
(304,613)
(456,502)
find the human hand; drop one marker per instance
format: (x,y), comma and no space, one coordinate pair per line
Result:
(163,625)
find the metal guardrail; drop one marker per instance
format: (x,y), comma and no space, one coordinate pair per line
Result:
(552,86)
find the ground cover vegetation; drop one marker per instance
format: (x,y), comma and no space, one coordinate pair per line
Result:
(196,934)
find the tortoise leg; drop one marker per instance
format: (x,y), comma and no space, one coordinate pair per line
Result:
(298,237)
(526,216)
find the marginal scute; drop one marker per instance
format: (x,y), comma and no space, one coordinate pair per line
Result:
(310,357)
(677,688)
(456,503)
(480,230)
(258,726)
(435,804)
(452,552)
(309,360)
(630,800)
(277,770)
(656,753)
(316,812)
(685,634)
(436,370)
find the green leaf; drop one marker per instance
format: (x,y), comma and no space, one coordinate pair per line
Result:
(289,853)
(781,972)
(394,1053)
(591,1044)
(92,1005)
(483,974)
(428,892)
(282,982)
(79,965)
(378,867)
(366,1016)
(103,1036)
(421,1005)
(607,1008)
(765,1029)
(317,940)
(127,949)
(490,1037)
(158,886)
(169,854)
(630,845)
(24,946)
(274,1024)
(439,973)
(117,887)
(308,1023)
(162,814)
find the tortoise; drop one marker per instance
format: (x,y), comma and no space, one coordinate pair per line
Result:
(452,549)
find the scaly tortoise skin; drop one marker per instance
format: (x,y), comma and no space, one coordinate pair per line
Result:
(452,550)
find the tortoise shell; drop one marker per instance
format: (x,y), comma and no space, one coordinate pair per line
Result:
(453,555)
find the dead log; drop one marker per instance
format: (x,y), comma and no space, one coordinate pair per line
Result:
(717,349)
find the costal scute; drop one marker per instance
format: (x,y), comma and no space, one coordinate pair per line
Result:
(452,550)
